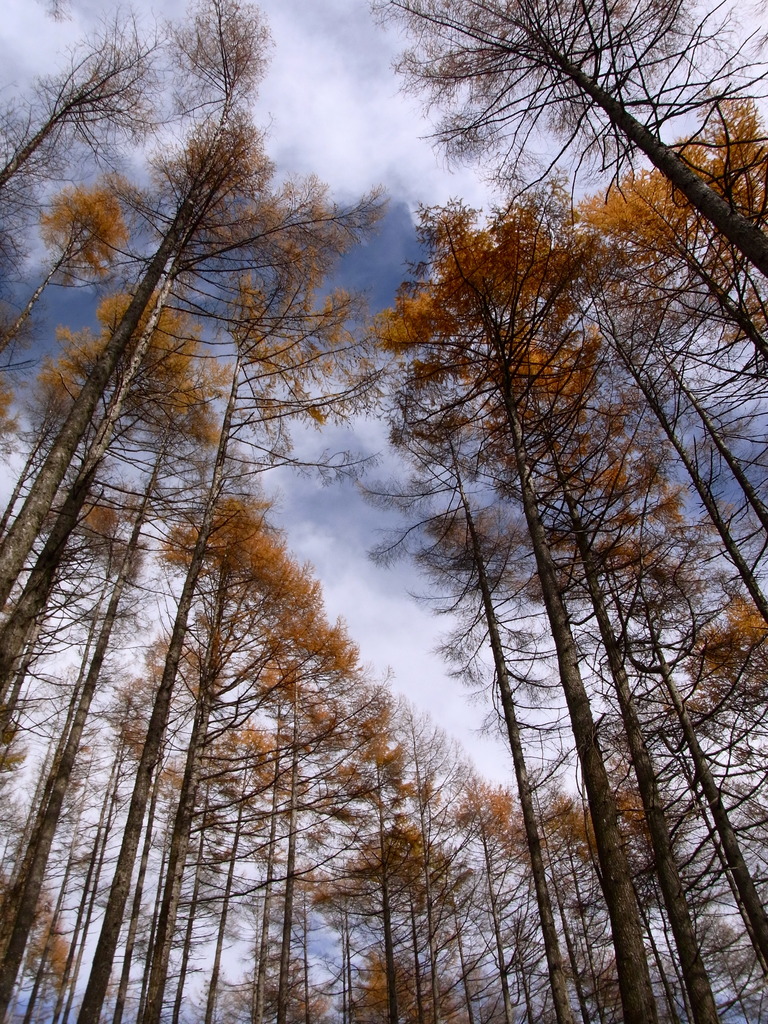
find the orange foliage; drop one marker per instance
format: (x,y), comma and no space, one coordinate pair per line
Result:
(86,226)
(653,235)
(731,659)
(173,384)
(248,561)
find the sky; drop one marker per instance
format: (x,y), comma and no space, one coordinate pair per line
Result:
(332,106)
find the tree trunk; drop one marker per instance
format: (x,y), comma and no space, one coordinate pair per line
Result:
(637,995)
(386,919)
(557,979)
(703,490)
(19,907)
(23,532)
(40,582)
(754,501)
(434,979)
(55,917)
(193,904)
(213,983)
(693,968)
(153,924)
(738,229)
(90,889)
(572,958)
(501,960)
(756,916)
(260,986)
(177,858)
(417,967)
(465,971)
(283,984)
(133,923)
(96,989)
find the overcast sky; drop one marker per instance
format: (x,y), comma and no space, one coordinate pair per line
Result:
(333,107)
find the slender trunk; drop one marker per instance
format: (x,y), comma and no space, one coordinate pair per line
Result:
(27,149)
(557,978)
(42,435)
(38,587)
(283,984)
(526,986)
(40,582)
(7,336)
(12,699)
(501,960)
(22,534)
(737,228)
(416,967)
(260,986)
(52,929)
(133,923)
(719,521)
(153,926)
(350,1000)
(20,906)
(15,887)
(464,969)
(193,904)
(305,950)
(96,989)
(669,995)
(753,907)
(213,983)
(389,950)
(572,958)
(434,979)
(343,973)
(386,919)
(637,995)
(582,901)
(90,888)
(691,962)
(12,850)
(177,859)
(754,501)
(731,309)
(39,799)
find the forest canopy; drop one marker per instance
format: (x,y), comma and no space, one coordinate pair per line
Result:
(215,811)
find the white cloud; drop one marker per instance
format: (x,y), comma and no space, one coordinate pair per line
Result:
(338,109)
(333,107)
(334,529)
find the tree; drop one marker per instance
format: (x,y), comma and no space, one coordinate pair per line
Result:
(381,857)
(476,335)
(569,846)
(682,258)
(605,80)
(163,408)
(20,902)
(686,315)
(215,215)
(104,92)
(104,86)
(453,554)
(83,229)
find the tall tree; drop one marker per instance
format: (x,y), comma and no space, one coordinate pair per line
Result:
(463,560)
(105,92)
(604,80)
(215,215)
(687,316)
(476,333)
(83,230)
